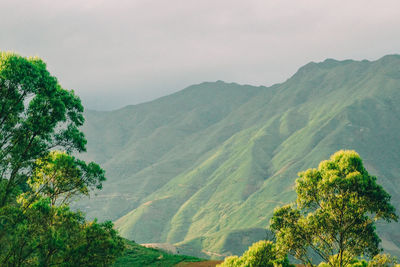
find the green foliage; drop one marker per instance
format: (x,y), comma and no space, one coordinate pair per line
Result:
(382,260)
(337,206)
(379,260)
(47,235)
(99,245)
(36,115)
(231,261)
(60,176)
(37,228)
(260,254)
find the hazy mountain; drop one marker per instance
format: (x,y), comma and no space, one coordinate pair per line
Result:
(205,167)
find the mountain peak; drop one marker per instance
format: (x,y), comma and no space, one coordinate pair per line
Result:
(389,58)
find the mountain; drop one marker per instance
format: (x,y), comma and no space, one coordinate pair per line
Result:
(205,167)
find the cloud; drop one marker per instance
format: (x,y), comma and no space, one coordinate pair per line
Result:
(114,53)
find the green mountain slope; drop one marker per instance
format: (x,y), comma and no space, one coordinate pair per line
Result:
(140,256)
(205,167)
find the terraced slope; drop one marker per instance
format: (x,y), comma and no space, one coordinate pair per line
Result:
(205,167)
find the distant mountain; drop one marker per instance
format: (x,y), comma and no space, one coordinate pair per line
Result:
(205,167)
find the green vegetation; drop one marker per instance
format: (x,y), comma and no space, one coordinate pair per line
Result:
(203,169)
(37,228)
(337,207)
(261,253)
(333,218)
(137,255)
(380,260)
(217,158)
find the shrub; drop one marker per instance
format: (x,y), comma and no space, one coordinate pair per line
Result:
(262,253)
(380,260)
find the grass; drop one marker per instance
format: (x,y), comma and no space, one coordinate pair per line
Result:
(137,255)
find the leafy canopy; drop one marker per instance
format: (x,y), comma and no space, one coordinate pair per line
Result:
(36,116)
(37,228)
(335,213)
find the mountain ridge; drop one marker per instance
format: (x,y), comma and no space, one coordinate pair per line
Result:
(216,158)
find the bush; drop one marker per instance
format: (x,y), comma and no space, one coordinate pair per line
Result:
(380,260)
(231,261)
(262,253)
(383,260)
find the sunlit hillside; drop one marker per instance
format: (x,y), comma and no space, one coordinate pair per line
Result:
(205,167)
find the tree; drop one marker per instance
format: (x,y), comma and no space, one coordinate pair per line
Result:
(335,212)
(36,116)
(60,177)
(37,228)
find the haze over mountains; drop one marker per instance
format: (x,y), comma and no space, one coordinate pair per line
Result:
(205,167)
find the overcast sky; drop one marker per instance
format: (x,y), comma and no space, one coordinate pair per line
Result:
(115,52)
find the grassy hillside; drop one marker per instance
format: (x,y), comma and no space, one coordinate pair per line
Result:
(214,160)
(137,255)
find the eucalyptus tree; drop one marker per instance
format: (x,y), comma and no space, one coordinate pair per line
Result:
(335,212)
(36,116)
(39,131)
